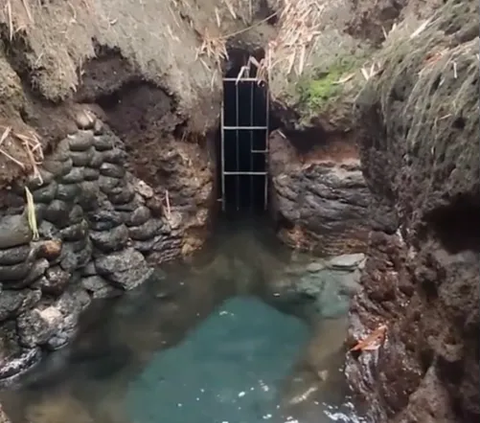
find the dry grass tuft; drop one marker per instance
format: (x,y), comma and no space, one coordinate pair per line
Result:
(214,47)
(299,24)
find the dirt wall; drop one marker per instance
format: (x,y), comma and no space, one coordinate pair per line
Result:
(420,153)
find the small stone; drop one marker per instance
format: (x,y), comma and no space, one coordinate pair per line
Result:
(67,192)
(112,170)
(91,174)
(155,204)
(145,190)
(62,151)
(82,158)
(50,249)
(96,160)
(58,167)
(98,127)
(346,261)
(85,119)
(48,230)
(14,255)
(107,184)
(10,302)
(127,207)
(14,231)
(76,214)
(104,142)
(34,182)
(115,156)
(68,259)
(85,255)
(15,302)
(76,175)
(104,219)
(121,195)
(146,231)
(112,240)
(139,216)
(81,141)
(89,197)
(75,232)
(55,281)
(45,194)
(57,213)
(36,326)
(37,270)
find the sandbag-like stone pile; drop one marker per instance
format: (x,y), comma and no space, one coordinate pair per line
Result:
(97,228)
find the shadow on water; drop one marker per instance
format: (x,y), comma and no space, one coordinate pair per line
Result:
(214,341)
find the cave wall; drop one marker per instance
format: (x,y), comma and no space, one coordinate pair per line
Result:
(100,232)
(319,197)
(418,131)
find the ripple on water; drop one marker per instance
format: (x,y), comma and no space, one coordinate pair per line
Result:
(228,370)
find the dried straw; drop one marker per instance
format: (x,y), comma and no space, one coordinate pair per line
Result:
(299,24)
(30,143)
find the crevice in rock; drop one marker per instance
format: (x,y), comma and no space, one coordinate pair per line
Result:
(455,225)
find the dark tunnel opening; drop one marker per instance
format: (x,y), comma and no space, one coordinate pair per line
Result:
(246,105)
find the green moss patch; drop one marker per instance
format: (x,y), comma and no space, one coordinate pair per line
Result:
(317,92)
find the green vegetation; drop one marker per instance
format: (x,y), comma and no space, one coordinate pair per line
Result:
(317,92)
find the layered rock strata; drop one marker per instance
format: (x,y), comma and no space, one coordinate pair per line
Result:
(319,197)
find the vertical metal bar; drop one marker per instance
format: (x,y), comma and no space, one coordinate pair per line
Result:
(267,124)
(237,123)
(222,152)
(252,123)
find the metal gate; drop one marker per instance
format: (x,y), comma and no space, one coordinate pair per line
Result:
(245,132)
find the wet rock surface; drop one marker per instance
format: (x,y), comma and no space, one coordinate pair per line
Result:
(323,284)
(421,275)
(91,222)
(320,198)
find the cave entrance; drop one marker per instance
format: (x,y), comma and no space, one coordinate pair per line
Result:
(244,142)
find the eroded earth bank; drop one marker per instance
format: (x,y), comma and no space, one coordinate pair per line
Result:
(109,116)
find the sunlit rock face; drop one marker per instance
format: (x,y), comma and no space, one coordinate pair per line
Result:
(230,369)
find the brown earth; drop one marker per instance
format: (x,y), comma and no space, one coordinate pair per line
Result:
(419,127)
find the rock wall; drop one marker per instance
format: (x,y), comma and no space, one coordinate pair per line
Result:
(319,195)
(419,142)
(99,231)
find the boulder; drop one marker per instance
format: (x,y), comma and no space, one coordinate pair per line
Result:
(125,269)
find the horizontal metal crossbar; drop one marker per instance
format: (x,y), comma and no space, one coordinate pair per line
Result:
(259,151)
(244,128)
(240,79)
(245,173)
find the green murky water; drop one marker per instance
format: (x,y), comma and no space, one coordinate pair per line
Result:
(215,341)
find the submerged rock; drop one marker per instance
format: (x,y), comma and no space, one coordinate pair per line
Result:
(346,261)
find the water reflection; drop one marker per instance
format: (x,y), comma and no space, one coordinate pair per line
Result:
(147,355)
